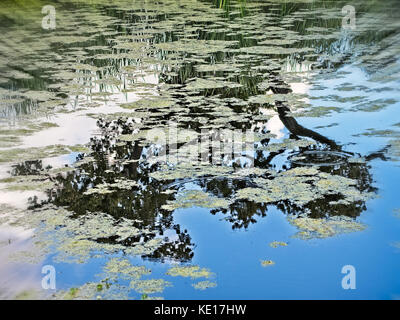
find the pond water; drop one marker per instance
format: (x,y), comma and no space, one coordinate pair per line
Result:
(182,149)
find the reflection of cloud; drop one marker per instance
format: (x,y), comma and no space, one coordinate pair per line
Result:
(76,128)
(275,126)
(18,199)
(4,170)
(73,129)
(300,87)
(14,234)
(17,278)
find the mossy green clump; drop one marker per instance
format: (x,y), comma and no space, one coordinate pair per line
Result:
(195,198)
(203,285)
(326,227)
(152,103)
(149,286)
(124,269)
(267,263)
(93,291)
(75,239)
(302,185)
(276,244)
(193,272)
(187,170)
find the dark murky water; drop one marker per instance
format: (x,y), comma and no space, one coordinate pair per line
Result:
(200,150)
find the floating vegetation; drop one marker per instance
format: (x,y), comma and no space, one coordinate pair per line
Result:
(93,291)
(267,263)
(105,188)
(195,198)
(323,228)
(323,158)
(123,268)
(300,186)
(154,103)
(276,244)
(192,272)
(203,285)
(74,239)
(149,286)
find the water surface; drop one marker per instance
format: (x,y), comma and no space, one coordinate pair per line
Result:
(116,163)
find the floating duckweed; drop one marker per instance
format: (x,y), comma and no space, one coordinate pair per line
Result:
(276,244)
(195,198)
(155,103)
(267,263)
(193,272)
(74,239)
(106,188)
(90,291)
(149,286)
(302,185)
(203,285)
(123,268)
(324,228)
(146,248)
(188,170)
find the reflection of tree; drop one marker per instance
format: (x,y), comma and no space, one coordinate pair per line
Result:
(143,203)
